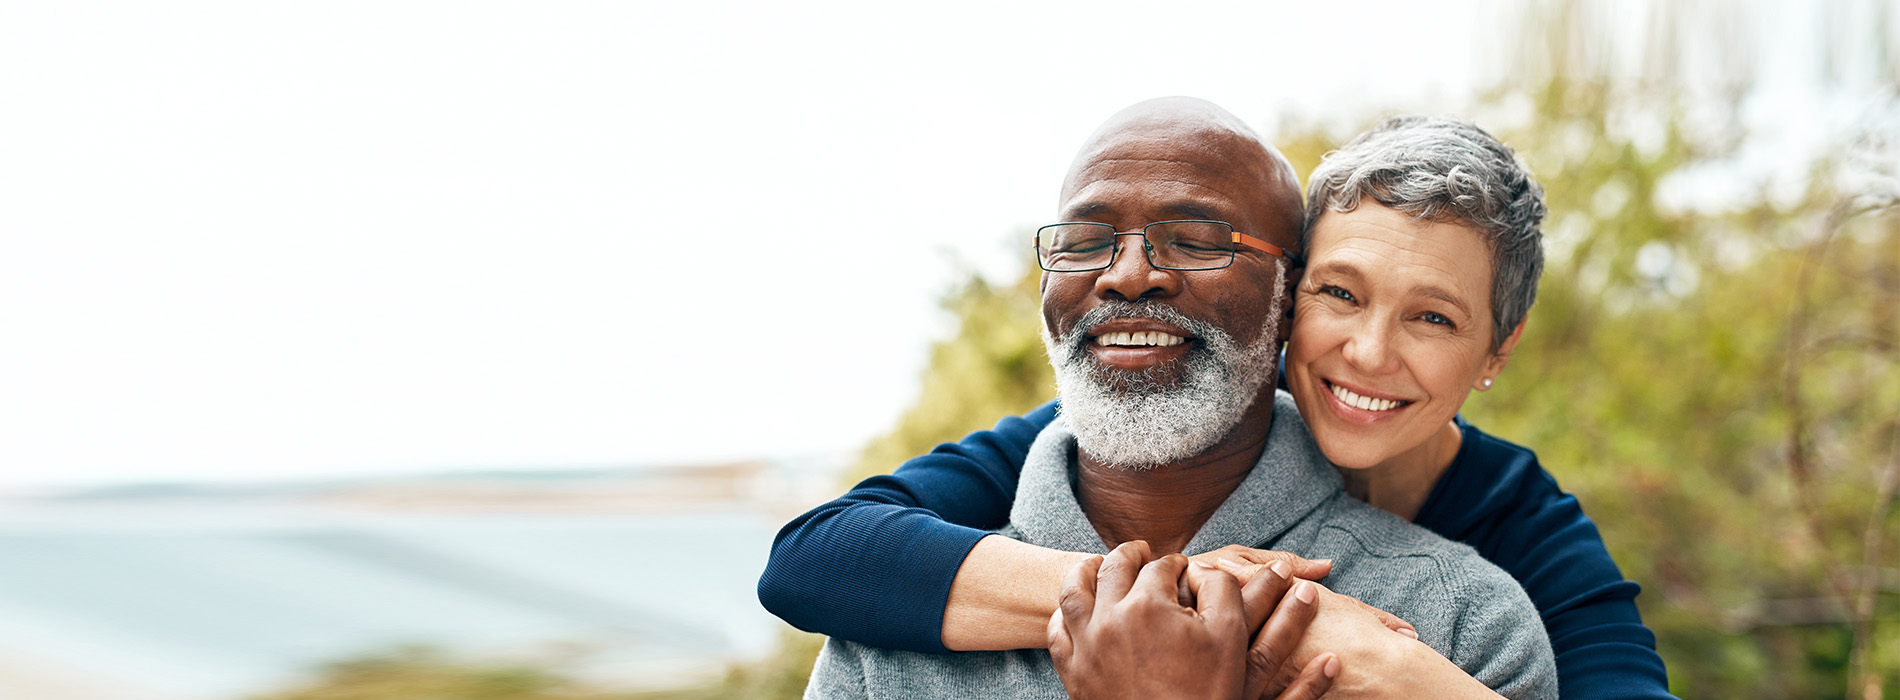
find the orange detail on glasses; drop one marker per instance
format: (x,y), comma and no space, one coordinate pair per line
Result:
(1270,248)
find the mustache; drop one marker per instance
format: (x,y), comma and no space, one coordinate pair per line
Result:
(1147,310)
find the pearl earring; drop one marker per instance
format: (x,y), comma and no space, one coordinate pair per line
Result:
(1487,383)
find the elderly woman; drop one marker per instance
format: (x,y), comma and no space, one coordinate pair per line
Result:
(1422,255)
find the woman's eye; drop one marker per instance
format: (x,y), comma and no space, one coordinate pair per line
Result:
(1336,292)
(1437,319)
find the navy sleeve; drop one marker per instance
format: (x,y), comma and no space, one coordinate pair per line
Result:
(1499,500)
(875,565)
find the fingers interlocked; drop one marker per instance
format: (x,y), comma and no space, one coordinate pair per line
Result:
(1122,630)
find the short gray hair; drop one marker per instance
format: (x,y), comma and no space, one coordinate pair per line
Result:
(1449,171)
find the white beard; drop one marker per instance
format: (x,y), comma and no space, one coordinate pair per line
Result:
(1137,420)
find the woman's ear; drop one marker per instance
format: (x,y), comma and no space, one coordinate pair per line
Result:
(1495,365)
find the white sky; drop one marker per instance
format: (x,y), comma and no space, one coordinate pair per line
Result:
(244,240)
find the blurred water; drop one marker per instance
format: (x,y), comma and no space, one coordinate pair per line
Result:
(203,598)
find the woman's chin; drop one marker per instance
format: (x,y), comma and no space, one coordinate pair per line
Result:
(1353,457)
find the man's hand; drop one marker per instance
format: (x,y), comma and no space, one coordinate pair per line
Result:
(1121,631)
(1282,608)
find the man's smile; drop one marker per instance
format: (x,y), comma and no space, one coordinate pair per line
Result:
(1139,338)
(1138,344)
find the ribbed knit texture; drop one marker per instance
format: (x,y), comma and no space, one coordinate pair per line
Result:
(1463,606)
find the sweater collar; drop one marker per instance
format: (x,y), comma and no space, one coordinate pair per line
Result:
(1290,480)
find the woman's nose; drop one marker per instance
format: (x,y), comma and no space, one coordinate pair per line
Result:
(1370,347)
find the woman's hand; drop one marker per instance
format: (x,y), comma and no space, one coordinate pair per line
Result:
(1245,563)
(1250,560)
(1383,664)
(1379,662)
(1121,631)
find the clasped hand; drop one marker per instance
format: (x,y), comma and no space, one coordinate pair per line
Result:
(1224,624)
(1130,625)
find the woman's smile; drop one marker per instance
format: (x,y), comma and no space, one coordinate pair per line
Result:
(1366,407)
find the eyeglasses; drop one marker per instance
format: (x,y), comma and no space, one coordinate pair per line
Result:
(1170,245)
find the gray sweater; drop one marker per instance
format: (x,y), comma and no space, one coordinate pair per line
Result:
(1464,607)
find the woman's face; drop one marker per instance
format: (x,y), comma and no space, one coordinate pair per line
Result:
(1392,329)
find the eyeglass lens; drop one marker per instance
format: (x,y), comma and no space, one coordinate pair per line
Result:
(1175,245)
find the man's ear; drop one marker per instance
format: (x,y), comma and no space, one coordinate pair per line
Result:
(1499,359)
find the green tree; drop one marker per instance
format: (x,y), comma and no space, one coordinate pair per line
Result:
(1716,380)
(993,366)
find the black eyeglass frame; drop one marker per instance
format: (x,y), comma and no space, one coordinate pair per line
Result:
(1148,249)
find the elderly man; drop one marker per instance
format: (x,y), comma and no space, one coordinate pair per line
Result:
(1163,308)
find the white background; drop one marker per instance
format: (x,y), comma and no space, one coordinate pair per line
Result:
(250,240)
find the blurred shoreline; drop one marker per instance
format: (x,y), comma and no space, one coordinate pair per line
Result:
(632,577)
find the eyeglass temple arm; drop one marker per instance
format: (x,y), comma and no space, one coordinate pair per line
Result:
(1271,249)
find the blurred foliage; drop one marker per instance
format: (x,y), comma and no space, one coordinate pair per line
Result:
(425,673)
(994,366)
(421,673)
(781,677)
(1658,392)
(1716,378)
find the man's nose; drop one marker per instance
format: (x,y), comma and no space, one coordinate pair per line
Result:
(1131,276)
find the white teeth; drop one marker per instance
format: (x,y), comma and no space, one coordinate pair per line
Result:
(1364,403)
(1156,338)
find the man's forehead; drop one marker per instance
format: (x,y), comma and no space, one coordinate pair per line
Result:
(1186,162)
(1183,158)
(1165,200)
(1168,145)
(1193,177)
(1200,146)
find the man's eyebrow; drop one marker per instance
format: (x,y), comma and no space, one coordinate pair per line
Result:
(1088,209)
(1172,211)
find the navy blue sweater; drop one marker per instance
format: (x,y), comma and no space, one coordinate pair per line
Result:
(875,565)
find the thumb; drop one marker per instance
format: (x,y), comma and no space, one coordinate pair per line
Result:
(1061,645)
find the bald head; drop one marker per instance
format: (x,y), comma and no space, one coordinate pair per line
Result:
(1163,139)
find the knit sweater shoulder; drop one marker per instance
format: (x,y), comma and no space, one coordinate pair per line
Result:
(875,565)
(1293,500)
